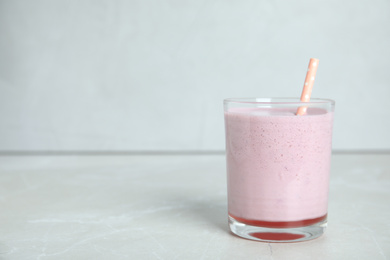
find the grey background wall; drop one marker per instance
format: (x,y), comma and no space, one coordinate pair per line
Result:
(151,75)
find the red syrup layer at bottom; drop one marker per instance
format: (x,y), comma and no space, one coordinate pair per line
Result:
(277,236)
(280,224)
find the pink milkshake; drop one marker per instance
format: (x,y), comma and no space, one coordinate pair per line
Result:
(278,163)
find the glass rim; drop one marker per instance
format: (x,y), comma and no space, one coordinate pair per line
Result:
(278,101)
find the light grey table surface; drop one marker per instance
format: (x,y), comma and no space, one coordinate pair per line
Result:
(172,207)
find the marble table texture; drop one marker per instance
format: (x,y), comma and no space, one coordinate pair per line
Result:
(172,207)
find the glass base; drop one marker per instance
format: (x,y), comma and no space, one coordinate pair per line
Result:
(277,235)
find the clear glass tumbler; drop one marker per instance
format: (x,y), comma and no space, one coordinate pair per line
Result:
(278,166)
